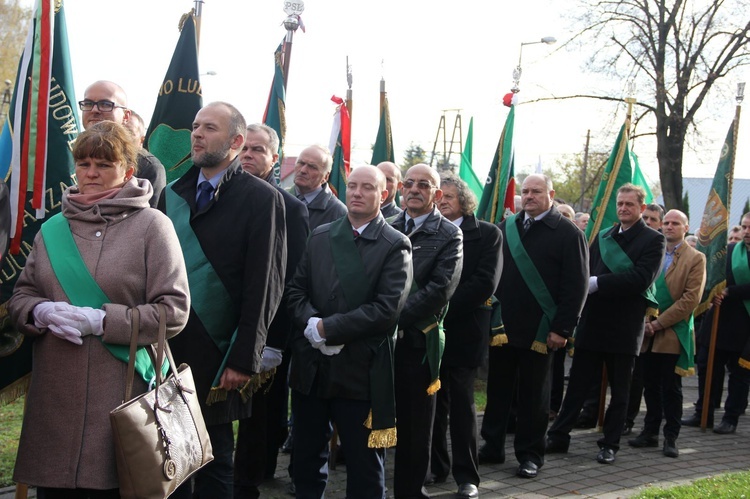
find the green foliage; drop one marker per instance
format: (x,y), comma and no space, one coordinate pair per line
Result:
(746,208)
(414,154)
(567,176)
(14,19)
(11,417)
(731,485)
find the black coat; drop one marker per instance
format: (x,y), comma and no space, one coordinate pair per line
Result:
(437,254)
(325,208)
(391,210)
(467,322)
(297,231)
(315,291)
(558,249)
(613,317)
(243,234)
(733,332)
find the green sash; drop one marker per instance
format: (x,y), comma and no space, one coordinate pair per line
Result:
(616,260)
(432,327)
(209,298)
(535,283)
(741,272)
(683,329)
(356,287)
(82,290)
(740,269)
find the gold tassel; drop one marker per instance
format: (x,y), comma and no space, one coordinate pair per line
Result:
(499,340)
(744,363)
(539,347)
(15,390)
(382,439)
(434,387)
(652,312)
(216,394)
(368,421)
(571,351)
(254,384)
(687,372)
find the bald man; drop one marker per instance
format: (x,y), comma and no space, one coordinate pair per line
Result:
(393,184)
(107,101)
(667,351)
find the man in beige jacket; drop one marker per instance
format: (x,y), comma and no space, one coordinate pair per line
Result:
(668,347)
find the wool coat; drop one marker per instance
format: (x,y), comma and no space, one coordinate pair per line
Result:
(325,208)
(132,252)
(613,317)
(685,277)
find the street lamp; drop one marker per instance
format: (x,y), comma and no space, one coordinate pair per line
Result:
(549,40)
(6,100)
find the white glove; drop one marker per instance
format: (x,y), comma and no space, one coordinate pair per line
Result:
(271,358)
(81,322)
(43,310)
(331,350)
(593,284)
(311,332)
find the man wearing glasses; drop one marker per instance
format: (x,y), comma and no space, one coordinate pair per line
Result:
(106,101)
(437,256)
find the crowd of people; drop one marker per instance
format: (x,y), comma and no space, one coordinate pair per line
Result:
(374,317)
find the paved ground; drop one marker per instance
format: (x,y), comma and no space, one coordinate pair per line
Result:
(577,474)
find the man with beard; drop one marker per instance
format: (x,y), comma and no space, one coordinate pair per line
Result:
(232,232)
(311,186)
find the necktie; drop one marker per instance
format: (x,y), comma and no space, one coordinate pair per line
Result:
(527,223)
(302,198)
(205,191)
(409,226)
(356,233)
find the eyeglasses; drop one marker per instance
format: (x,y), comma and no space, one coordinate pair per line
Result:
(422,185)
(104,106)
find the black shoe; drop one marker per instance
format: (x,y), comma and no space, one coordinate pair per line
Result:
(606,456)
(556,446)
(432,479)
(488,455)
(644,440)
(527,469)
(670,448)
(467,491)
(585,422)
(725,428)
(695,421)
(628,430)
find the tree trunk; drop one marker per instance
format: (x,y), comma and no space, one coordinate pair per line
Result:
(669,151)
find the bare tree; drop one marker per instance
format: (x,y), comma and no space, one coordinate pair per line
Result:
(678,49)
(14,20)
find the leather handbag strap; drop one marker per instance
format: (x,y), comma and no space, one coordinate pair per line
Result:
(135,321)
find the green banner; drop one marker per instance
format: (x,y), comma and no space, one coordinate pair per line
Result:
(466,171)
(499,188)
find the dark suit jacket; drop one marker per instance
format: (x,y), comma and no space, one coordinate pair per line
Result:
(612,320)
(150,168)
(315,291)
(297,231)
(242,233)
(437,255)
(467,322)
(391,210)
(325,208)
(558,249)
(734,322)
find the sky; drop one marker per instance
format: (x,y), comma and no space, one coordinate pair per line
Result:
(434,56)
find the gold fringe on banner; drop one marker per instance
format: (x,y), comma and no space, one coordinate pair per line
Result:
(691,372)
(539,347)
(14,390)
(217,394)
(499,340)
(379,439)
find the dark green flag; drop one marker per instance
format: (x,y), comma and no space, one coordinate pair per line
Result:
(712,236)
(498,196)
(275,113)
(466,171)
(383,148)
(180,99)
(26,190)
